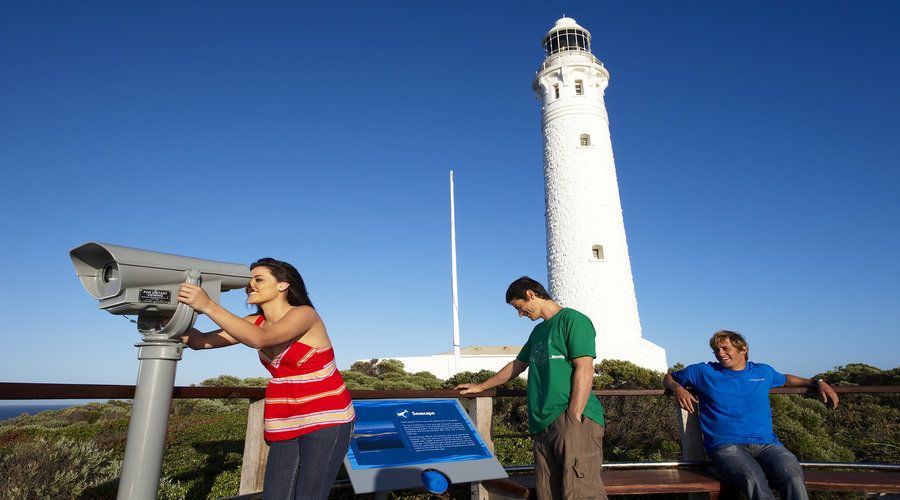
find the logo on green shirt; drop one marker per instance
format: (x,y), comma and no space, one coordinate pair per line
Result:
(540,352)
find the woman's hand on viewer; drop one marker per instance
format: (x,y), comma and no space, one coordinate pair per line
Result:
(195,297)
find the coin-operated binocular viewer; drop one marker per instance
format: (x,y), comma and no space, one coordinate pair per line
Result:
(134,281)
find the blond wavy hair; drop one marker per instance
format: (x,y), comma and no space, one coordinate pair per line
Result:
(736,339)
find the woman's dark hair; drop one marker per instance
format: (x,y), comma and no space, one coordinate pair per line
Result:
(286,273)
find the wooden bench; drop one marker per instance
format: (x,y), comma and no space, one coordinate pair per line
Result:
(663,478)
(620,482)
(864,481)
(696,479)
(653,481)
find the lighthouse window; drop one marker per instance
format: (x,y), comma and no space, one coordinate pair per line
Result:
(579,87)
(566,39)
(597,252)
(556,91)
(585,140)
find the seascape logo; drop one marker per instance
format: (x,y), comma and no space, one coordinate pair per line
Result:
(402,413)
(756,380)
(423,413)
(558,356)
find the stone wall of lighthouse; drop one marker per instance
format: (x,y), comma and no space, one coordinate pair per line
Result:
(587,254)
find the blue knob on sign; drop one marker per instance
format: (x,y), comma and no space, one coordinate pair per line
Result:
(435,481)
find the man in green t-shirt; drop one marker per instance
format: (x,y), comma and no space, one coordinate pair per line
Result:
(565,419)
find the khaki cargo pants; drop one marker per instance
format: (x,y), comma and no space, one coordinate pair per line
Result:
(567,458)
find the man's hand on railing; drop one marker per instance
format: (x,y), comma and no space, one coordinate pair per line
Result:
(685,399)
(469,388)
(827,393)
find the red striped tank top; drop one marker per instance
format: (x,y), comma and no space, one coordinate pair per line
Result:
(306,392)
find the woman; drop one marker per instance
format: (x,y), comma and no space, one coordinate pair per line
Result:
(308,411)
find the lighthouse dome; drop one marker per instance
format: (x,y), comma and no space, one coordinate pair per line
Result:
(565,35)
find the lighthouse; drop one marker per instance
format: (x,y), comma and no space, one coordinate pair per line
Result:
(587,253)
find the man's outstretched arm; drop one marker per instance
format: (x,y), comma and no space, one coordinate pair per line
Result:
(507,373)
(825,390)
(685,399)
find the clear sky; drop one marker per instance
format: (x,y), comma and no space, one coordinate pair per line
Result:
(756,147)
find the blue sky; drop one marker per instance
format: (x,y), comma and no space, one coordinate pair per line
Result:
(755,144)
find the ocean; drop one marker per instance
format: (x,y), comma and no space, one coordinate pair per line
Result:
(14,410)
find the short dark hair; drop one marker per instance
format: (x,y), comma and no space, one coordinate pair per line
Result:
(286,273)
(518,288)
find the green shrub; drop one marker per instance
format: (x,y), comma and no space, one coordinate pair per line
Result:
(511,445)
(801,425)
(357,380)
(205,440)
(209,406)
(618,374)
(640,429)
(378,367)
(481,376)
(869,429)
(861,374)
(170,489)
(866,424)
(224,405)
(55,469)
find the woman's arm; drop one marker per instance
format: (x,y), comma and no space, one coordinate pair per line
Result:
(293,325)
(195,339)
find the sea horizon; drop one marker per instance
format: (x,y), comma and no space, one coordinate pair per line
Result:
(12,410)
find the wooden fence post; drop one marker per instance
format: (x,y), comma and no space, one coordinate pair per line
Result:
(691,436)
(256,451)
(691,440)
(481,410)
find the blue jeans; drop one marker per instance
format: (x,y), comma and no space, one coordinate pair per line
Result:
(305,467)
(753,467)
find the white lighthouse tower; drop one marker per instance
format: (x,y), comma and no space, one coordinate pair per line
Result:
(587,255)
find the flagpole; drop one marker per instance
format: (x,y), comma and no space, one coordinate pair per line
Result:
(455,298)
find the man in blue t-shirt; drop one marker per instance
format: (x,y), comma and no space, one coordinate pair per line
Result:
(736,418)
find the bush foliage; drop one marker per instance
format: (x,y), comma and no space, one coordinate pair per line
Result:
(77,452)
(54,468)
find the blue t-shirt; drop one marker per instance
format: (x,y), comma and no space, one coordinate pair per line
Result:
(734,405)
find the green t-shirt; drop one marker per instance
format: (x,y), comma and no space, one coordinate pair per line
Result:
(549,352)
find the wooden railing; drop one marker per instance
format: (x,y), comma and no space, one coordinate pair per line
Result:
(479,406)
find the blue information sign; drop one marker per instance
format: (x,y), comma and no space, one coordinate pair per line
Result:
(391,433)
(419,443)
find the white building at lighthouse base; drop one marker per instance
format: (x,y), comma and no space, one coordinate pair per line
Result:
(472,359)
(639,351)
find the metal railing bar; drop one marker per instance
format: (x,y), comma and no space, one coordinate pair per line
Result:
(527,469)
(27,390)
